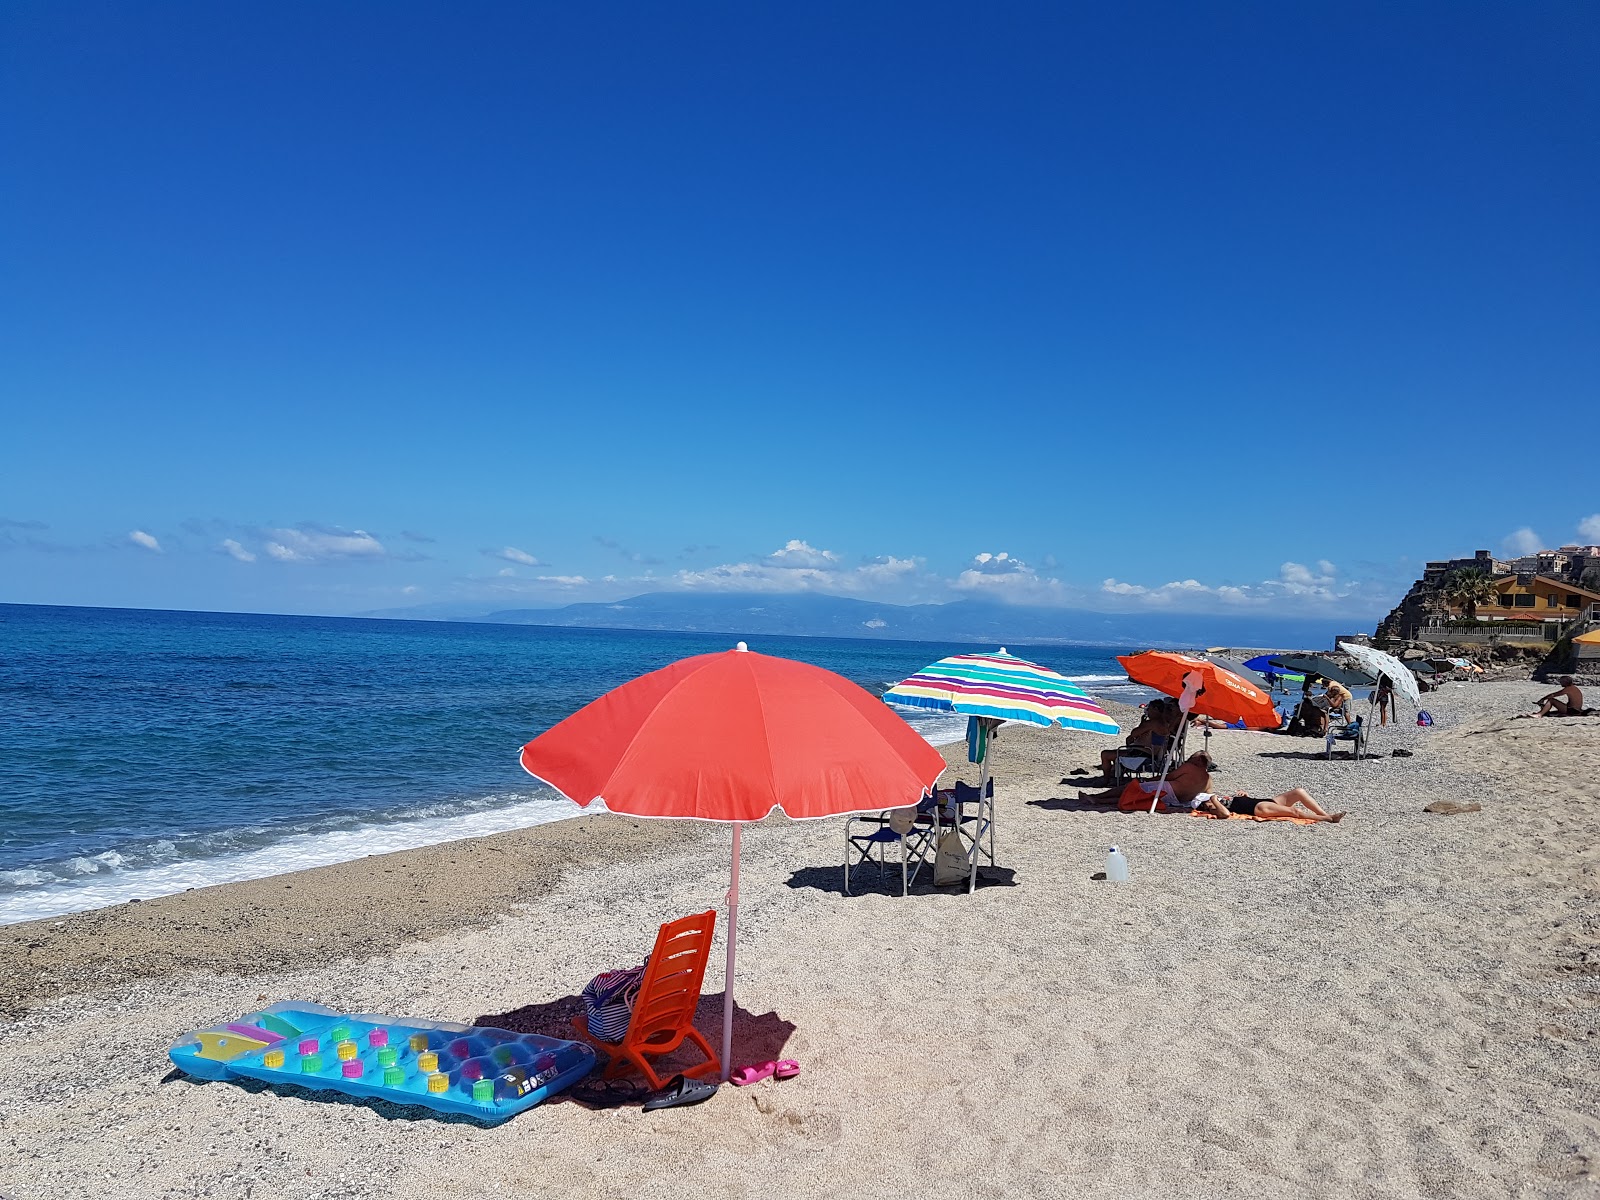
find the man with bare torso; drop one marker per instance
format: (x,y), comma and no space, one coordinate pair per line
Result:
(1565,701)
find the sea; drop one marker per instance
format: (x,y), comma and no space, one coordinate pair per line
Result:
(143,753)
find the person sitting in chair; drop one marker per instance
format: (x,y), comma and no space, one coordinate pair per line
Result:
(1140,737)
(1336,698)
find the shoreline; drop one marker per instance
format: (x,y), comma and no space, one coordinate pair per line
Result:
(150,882)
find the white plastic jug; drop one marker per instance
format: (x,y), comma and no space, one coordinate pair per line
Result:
(1116,867)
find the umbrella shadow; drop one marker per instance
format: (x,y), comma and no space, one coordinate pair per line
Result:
(552,1018)
(1073,804)
(757,1037)
(1300,755)
(865,882)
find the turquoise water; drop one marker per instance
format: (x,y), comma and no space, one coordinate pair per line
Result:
(146,752)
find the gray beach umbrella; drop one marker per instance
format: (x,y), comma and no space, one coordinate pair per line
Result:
(1382,663)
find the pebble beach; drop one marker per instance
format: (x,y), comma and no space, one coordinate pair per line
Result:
(1405,1004)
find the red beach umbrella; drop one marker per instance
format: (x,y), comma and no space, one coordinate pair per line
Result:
(732,737)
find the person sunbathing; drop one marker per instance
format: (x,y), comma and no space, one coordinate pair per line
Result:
(1195,790)
(1295,803)
(1565,701)
(1178,790)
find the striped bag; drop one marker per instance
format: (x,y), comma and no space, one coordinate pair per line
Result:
(608,1002)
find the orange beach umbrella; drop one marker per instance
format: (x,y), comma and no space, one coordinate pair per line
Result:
(1226,696)
(732,737)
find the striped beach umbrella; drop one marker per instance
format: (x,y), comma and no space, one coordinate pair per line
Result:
(1003,687)
(989,689)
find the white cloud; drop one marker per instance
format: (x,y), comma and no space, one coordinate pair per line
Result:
(754,577)
(797,553)
(506,572)
(801,567)
(1298,587)
(1116,588)
(512,554)
(1589,527)
(1299,580)
(886,569)
(140,538)
(1522,541)
(231,547)
(310,544)
(1010,579)
(998,564)
(564,580)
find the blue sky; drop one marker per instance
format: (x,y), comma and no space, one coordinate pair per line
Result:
(327,308)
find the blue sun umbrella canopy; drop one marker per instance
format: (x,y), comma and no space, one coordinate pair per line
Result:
(1003,687)
(1262,664)
(1304,664)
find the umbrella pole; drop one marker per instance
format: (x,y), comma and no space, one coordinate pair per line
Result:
(977,833)
(1186,702)
(733,946)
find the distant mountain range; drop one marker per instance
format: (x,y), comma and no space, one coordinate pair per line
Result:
(813,615)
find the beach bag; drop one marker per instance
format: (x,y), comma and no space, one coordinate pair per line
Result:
(1424,717)
(951,864)
(608,1002)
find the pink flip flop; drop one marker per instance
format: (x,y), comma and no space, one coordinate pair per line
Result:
(745,1076)
(785,1068)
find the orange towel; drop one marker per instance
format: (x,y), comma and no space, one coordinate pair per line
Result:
(1241,817)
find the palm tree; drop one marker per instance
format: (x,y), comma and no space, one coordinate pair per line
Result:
(1469,587)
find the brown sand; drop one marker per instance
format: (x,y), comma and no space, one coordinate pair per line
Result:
(1402,1005)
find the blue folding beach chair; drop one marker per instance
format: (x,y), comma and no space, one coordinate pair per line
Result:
(878,832)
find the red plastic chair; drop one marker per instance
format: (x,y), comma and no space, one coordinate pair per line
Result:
(669,993)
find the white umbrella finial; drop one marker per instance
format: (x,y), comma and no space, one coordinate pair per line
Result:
(1002,649)
(742,647)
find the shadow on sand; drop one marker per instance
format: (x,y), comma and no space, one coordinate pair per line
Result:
(1073,804)
(757,1037)
(864,881)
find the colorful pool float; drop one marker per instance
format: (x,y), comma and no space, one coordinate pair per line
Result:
(482,1072)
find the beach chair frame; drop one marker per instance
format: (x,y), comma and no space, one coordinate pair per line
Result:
(669,994)
(1357,738)
(916,845)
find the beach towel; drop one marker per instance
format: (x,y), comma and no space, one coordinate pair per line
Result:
(1209,816)
(977,740)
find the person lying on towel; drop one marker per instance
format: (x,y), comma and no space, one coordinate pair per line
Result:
(1195,789)
(1291,805)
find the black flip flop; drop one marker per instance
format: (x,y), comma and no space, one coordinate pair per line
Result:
(680,1091)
